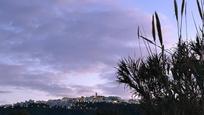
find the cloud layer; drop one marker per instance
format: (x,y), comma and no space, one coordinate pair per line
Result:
(54,46)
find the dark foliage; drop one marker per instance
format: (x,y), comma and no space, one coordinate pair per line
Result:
(168,82)
(79,109)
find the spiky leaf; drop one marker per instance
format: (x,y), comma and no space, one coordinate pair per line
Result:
(146,39)
(138,32)
(159,31)
(176,9)
(153,29)
(182,7)
(199,9)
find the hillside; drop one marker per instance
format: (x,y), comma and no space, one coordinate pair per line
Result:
(80,108)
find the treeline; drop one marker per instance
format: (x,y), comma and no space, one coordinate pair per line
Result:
(79,109)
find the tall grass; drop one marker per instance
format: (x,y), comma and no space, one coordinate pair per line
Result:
(169,82)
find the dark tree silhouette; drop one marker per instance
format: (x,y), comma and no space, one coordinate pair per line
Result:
(168,82)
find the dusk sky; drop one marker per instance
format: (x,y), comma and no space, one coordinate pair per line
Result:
(55,48)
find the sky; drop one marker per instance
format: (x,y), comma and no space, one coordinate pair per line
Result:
(69,48)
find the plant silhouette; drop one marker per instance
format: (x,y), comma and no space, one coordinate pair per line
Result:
(168,82)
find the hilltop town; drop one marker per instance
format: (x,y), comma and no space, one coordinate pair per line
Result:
(68,103)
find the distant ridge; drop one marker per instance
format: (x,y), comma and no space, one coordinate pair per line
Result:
(92,105)
(69,102)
